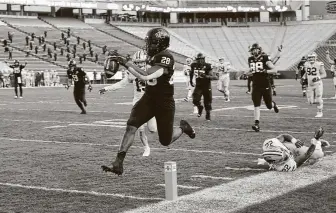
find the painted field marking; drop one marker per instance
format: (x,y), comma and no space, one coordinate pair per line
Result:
(54,127)
(77,191)
(251,107)
(211,177)
(244,169)
(98,125)
(115,145)
(248,191)
(182,186)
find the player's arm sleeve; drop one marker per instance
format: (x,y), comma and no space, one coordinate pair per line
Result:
(119,85)
(272,69)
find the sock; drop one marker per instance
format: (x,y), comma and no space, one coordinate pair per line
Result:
(257,113)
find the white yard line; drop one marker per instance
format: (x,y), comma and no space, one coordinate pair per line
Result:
(242,193)
(182,186)
(72,191)
(211,177)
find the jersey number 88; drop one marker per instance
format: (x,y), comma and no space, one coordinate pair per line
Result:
(256,67)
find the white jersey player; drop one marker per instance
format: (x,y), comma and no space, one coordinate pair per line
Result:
(314,72)
(190,88)
(285,153)
(224,78)
(139,58)
(333,70)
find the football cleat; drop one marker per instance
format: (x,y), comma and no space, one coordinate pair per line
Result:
(117,168)
(187,129)
(256,127)
(248,92)
(83,112)
(319,115)
(319,133)
(207,116)
(275,107)
(15,97)
(200,110)
(146,152)
(274,93)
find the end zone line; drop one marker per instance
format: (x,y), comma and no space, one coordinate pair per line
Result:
(182,186)
(248,191)
(77,191)
(137,147)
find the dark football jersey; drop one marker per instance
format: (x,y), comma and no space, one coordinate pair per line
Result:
(164,84)
(258,65)
(301,66)
(17,70)
(200,70)
(78,76)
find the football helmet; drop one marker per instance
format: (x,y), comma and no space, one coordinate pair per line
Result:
(16,63)
(256,50)
(139,58)
(200,58)
(304,58)
(312,57)
(157,40)
(274,154)
(72,63)
(189,61)
(221,60)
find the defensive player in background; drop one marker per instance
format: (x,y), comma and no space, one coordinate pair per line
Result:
(157,101)
(260,66)
(79,77)
(18,78)
(190,88)
(203,74)
(302,72)
(139,59)
(332,69)
(286,153)
(224,78)
(314,72)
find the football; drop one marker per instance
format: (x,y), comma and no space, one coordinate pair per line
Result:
(111,67)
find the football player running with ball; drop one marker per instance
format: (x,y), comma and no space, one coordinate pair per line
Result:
(203,74)
(157,101)
(314,72)
(79,77)
(286,153)
(260,66)
(139,59)
(333,70)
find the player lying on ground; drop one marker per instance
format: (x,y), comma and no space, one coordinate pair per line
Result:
(157,101)
(314,72)
(286,153)
(139,58)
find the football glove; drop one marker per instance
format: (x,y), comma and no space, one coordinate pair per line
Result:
(316,79)
(319,133)
(67,86)
(102,91)
(299,144)
(90,88)
(120,59)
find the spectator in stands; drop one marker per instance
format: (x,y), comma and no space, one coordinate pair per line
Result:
(74,54)
(62,36)
(68,49)
(5,43)
(80,59)
(10,54)
(27,40)
(36,50)
(91,51)
(43,39)
(84,56)
(62,51)
(78,40)
(84,45)
(32,36)
(94,76)
(89,43)
(49,52)
(75,47)
(6,48)
(69,32)
(64,40)
(2,84)
(104,49)
(68,56)
(68,41)
(55,47)
(40,40)
(55,56)
(10,37)
(37,79)
(96,57)
(44,47)
(31,45)
(45,33)
(28,52)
